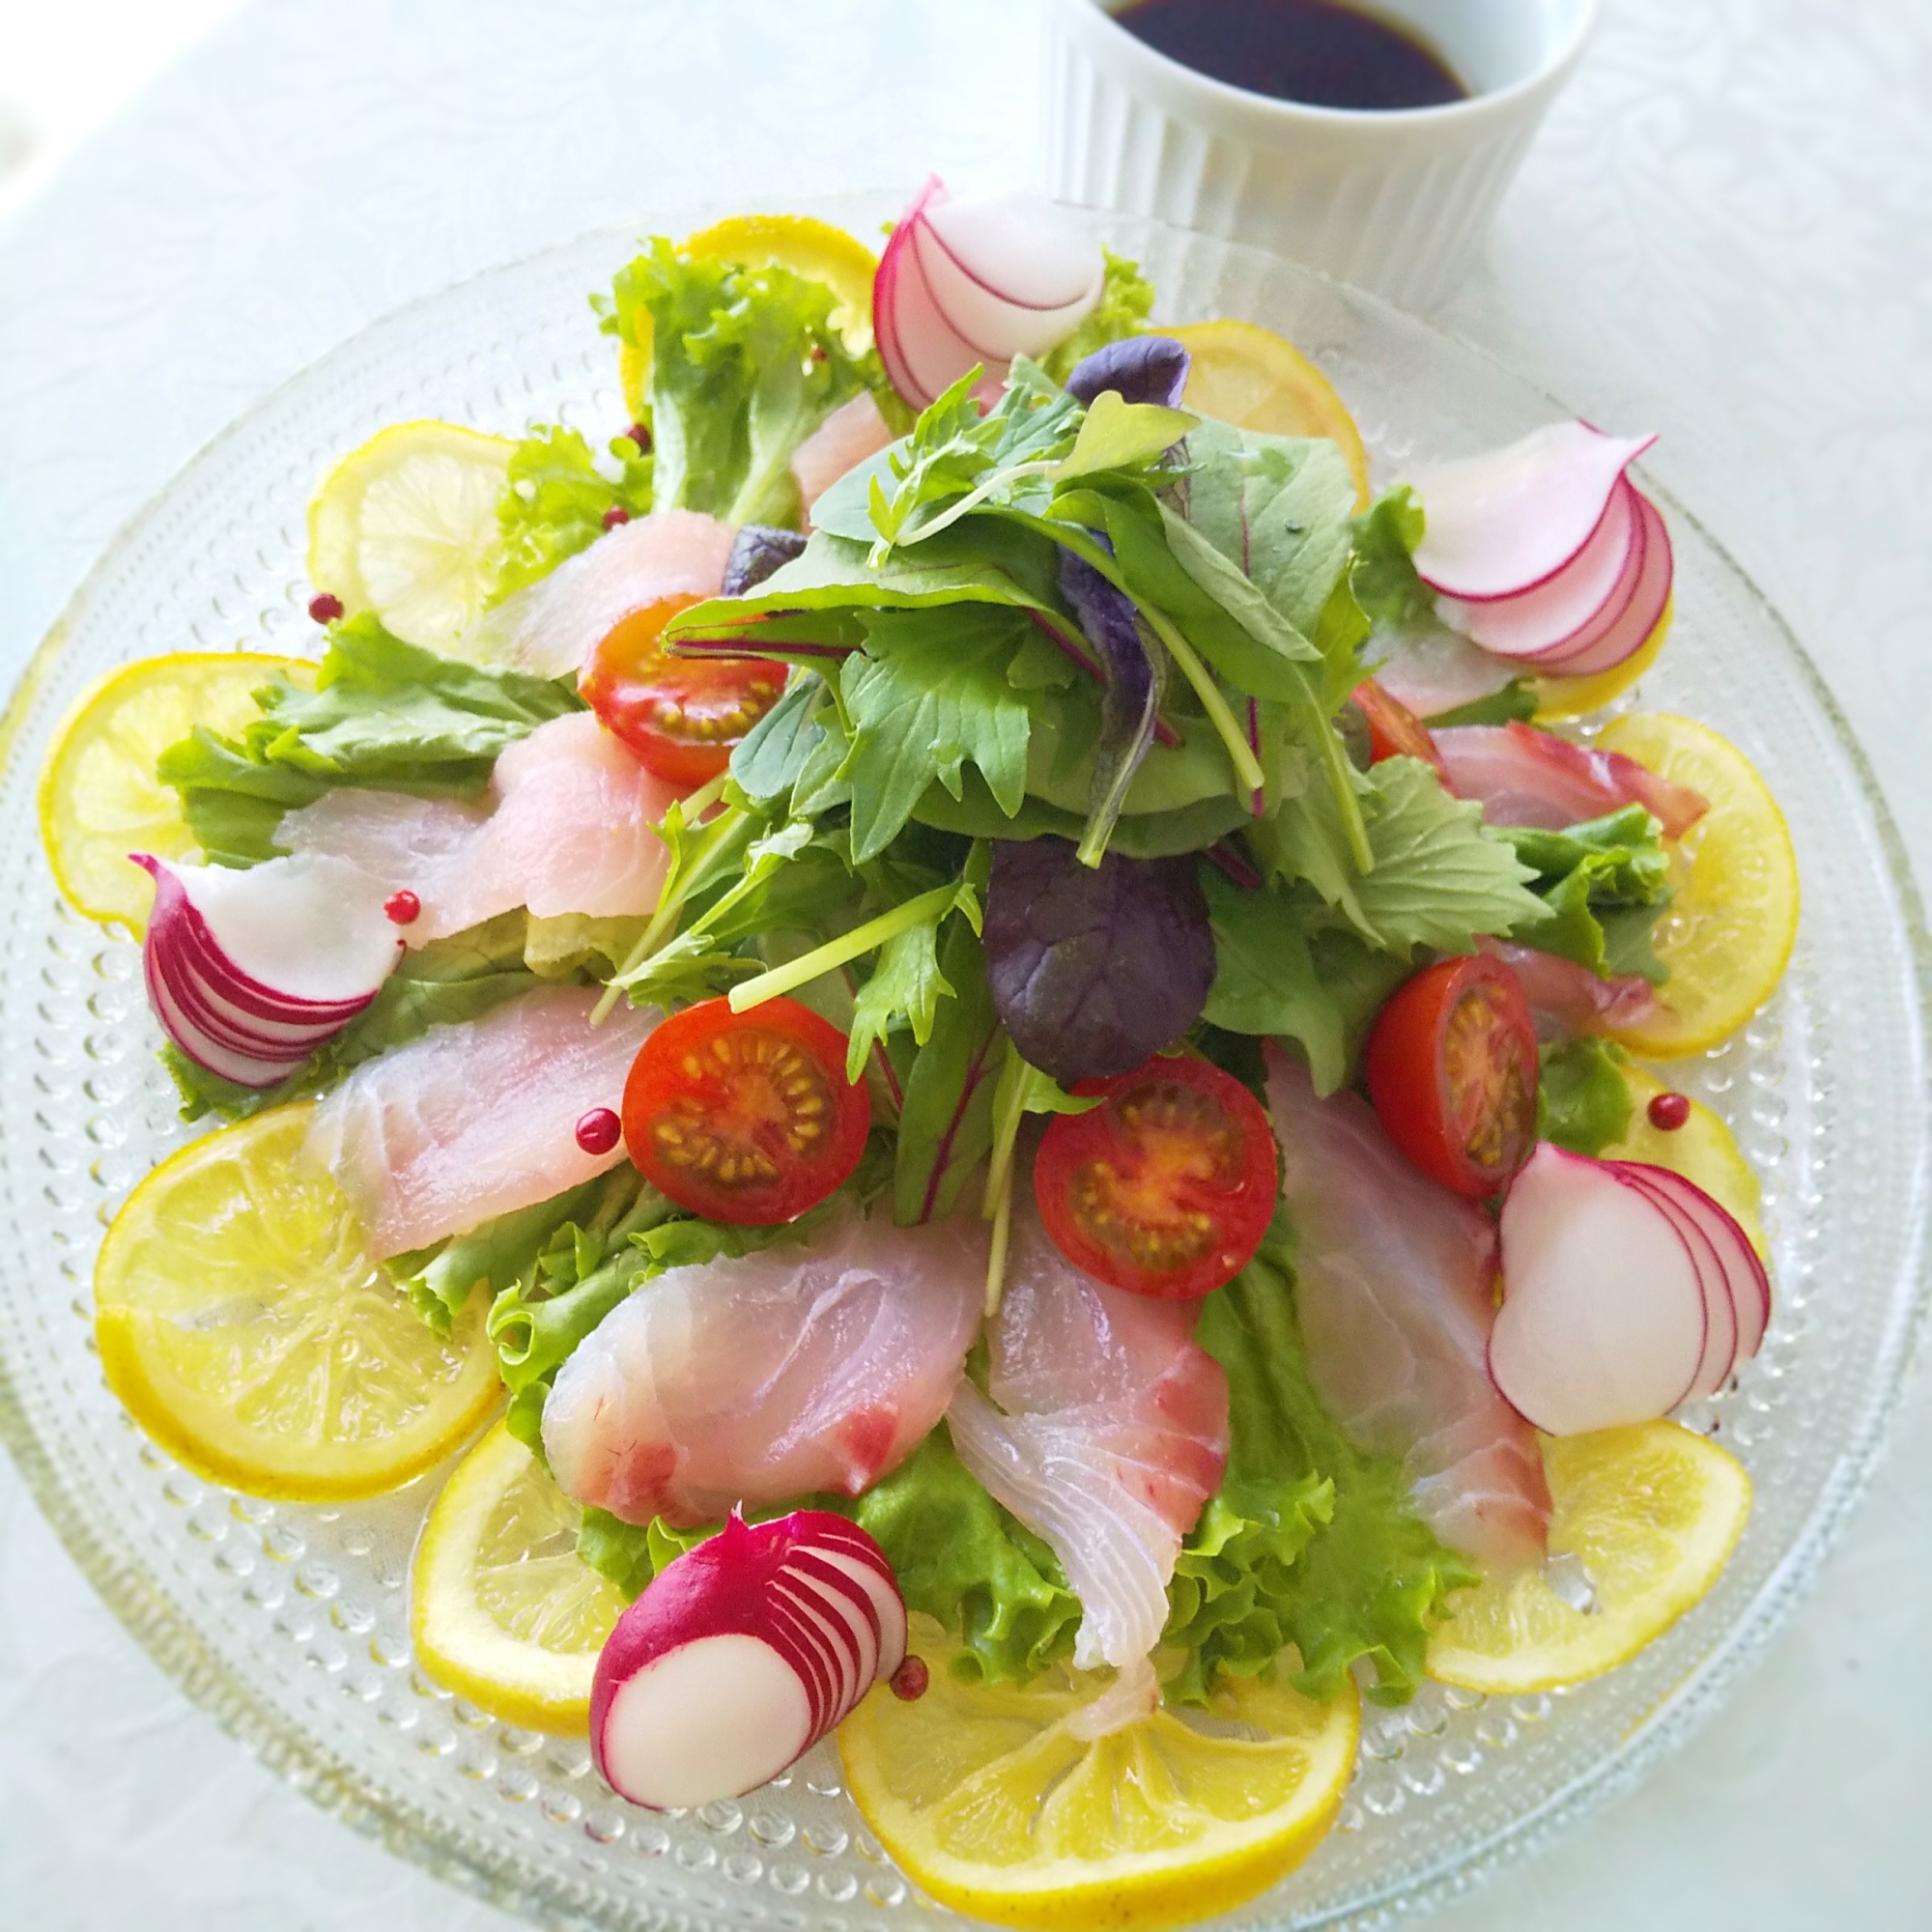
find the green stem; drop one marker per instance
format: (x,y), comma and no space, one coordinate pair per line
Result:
(1227,728)
(834,952)
(1342,782)
(675,893)
(996,1253)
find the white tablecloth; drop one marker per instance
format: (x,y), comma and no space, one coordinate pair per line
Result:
(1724,232)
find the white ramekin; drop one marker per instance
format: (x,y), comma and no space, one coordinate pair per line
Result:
(1397,202)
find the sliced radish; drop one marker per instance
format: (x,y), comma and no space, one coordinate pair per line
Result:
(1603,1320)
(1628,631)
(1009,272)
(1744,1271)
(740,1656)
(249,972)
(1501,523)
(1720,1308)
(1548,620)
(978,281)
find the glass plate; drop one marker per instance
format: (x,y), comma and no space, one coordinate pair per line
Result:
(289,1624)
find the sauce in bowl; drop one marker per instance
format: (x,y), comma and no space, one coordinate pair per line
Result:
(1316,51)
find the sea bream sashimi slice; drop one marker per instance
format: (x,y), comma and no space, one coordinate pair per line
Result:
(551,627)
(1522,775)
(1394,1287)
(476,1120)
(755,1380)
(844,440)
(1105,1433)
(569,827)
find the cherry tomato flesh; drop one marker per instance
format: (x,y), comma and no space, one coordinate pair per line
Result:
(1452,1069)
(1395,731)
(746,1118)
(683,717)
(1167,1186)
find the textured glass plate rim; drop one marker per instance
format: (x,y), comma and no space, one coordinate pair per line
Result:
(174,1643)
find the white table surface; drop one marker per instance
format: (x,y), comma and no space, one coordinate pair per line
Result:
(1724,232)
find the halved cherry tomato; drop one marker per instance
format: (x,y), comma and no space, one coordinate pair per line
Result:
(1395,731)
(1167,1188)
(746,1118)
(683,717)
(1452,1069)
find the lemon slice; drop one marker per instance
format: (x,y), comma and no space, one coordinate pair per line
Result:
(1703,1151)
(1252,378)
(988,1800)
(406,525)
(1575,696)
(248,1332)
(100,798)
(1652,1512)
(1727,936)
(796,242)
(502,1609)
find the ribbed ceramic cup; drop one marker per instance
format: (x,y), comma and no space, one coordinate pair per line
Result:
(1396,201)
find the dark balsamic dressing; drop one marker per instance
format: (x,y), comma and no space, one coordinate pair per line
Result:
(1316,51)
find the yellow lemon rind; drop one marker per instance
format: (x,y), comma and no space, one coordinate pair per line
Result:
(1612,1634)
(1300,400)
(1220,1867)
(65,833)
(198,1425)
(1744,811)
(456,1641)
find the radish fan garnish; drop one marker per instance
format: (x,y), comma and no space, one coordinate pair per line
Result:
(250,972)
(1627,1291)
(740,1656)
(975,282)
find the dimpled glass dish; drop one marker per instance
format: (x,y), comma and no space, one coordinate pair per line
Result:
(290,1624)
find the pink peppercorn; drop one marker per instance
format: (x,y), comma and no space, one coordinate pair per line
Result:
(404,908)
(1668,1111)
(324,607)
(599,1130)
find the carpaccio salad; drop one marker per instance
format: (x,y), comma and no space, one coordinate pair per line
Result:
(971,972)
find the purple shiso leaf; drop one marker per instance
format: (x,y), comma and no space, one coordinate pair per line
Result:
(1139,368)
(1094,967)
(1132,665)
(756,551)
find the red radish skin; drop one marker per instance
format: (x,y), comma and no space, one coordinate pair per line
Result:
(1640,618)
(740,1656)
(1720,1308)
(1502,523)
(1603,1320)
(976,282)
(1750,1285)
(249,972)
(1548,620)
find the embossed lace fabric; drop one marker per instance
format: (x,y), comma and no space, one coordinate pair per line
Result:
(1721,233)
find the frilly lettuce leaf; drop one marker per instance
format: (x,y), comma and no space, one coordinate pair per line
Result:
(1603,884)
(745,365)
(556,498)
(1309,1541)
